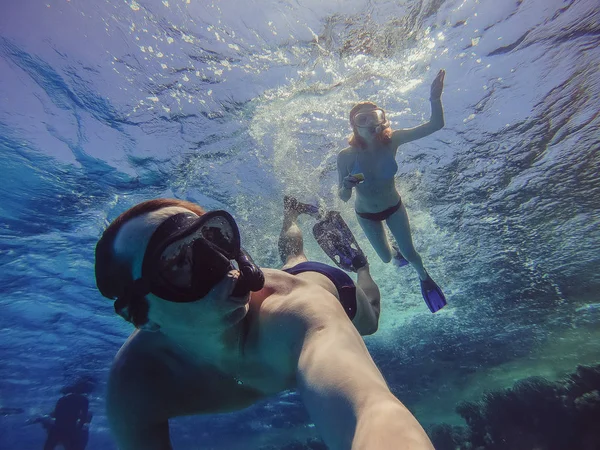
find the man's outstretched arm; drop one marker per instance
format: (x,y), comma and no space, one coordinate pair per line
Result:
(347,397)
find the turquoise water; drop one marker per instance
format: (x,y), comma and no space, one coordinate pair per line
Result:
(231,104)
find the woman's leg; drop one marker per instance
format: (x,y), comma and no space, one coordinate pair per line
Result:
(400,228)
(376,235)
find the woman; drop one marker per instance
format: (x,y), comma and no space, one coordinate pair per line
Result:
(368,165)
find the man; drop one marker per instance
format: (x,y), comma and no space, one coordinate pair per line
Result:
(68,424)
(216,333)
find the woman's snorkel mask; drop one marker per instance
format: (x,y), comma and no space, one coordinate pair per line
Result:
(188,255)
(374,119)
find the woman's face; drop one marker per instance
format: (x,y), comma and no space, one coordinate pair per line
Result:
(367,120)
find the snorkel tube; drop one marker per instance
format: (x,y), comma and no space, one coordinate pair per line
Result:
(251,277)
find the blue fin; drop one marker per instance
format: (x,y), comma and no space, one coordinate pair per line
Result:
(398,259)
(432,294)
(337,241)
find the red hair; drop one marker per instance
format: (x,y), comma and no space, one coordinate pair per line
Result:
(384,136)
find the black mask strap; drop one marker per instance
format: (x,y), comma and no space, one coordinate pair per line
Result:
(132,306)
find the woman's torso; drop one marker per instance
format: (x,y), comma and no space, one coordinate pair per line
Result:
(378,191)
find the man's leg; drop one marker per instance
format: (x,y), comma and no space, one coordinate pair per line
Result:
(291,244)
(52,440)
(291,251)
(368,299)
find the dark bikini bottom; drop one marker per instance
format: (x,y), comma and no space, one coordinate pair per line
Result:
(342,282)
(381,216)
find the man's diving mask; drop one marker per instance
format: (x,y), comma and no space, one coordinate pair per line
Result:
(374,118)
(188,255)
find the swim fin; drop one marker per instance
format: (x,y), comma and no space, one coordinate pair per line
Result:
(398,259)
(337,241)
(290,202)
(432,294)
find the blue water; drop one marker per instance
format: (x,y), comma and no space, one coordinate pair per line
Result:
(233,103)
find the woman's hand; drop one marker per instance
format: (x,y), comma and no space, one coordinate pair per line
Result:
(351,181)
(438,85)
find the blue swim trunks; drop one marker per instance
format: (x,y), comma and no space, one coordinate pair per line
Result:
(343,283)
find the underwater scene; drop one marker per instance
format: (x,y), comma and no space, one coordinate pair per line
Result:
(493,108)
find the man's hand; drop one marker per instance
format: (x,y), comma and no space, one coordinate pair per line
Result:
(438,85)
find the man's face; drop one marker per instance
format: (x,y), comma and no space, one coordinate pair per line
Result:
(216,309)
(215,312)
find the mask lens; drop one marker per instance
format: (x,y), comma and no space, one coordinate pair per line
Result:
(177,262)
(371,118)
(218,231)
(188,255)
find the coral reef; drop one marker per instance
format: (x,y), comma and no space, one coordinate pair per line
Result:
(534,414)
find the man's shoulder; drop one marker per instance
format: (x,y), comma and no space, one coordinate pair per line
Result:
(296,299)
(138,349)
(137,370)
(281,319)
